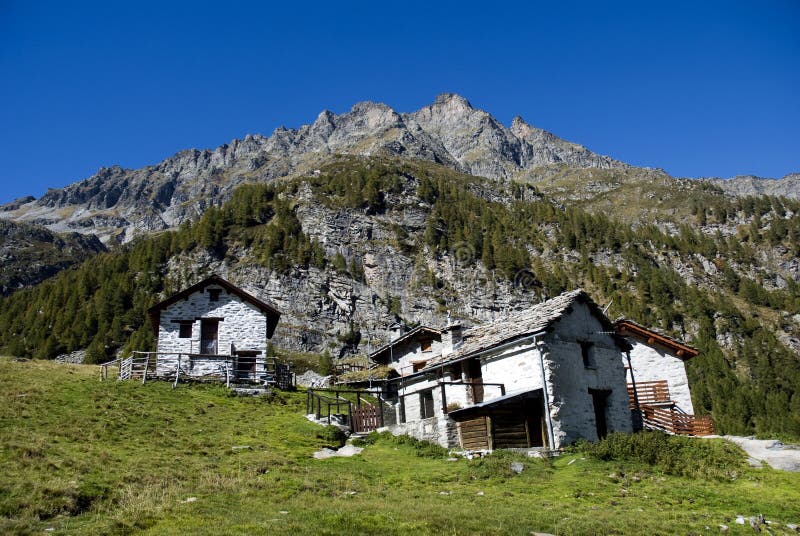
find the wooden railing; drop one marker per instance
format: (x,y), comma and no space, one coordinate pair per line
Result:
(362,416)
(667,419)
(174,365)
(656,392)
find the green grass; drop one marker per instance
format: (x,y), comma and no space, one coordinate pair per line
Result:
(85,457)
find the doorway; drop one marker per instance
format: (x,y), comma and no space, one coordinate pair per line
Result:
(475,378)
(600,403)
(209,335)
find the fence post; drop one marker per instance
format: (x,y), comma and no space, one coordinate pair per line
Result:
(350,415)
(380,408)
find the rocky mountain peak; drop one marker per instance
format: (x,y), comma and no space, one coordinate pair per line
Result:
(452,100)
(118,204)
(520,128)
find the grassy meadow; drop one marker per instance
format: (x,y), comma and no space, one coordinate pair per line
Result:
(80,456)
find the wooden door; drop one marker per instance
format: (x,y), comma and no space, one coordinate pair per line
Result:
(209,335)
(475,377)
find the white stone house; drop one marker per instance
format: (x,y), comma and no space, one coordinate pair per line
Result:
(211,326)
(544,377)
(409,352)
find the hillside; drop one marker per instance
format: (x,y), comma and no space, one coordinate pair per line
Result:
(80,456)
(348,249)
(30,254)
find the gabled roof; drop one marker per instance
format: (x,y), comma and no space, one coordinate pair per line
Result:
(537,319)
(416,332)
(272,313)
(651,337)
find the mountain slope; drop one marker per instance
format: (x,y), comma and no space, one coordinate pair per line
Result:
(30,254)
(118,204)
(366,241)
(788,186)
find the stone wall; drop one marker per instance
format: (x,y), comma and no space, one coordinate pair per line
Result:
(438,429)
(569,381)
(652,364)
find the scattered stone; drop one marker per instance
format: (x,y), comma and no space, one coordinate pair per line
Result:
(445,493)
(792,526)
(534,533)
(517,467)
(480,494)
(740,520)
(311,379)
(723,528)
(190,500)
(242,447)
(452,459)
(49,529)
(283,512)
(346,451)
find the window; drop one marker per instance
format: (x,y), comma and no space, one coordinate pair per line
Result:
(418,365)
(587,355)
(185,330)
(426,345)
(426,404)
(213,294)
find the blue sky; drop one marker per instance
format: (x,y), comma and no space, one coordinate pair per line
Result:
(697,88)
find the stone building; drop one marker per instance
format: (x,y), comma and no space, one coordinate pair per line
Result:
(408,352)
(545,377)
(212,325)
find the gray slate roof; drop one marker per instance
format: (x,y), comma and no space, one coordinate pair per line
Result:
(534,320)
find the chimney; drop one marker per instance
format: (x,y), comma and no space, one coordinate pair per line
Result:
(396,331)
(451,338)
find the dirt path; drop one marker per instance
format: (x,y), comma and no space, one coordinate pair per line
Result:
(771,451)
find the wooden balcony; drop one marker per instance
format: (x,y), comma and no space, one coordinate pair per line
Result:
(659,411)
(656,392)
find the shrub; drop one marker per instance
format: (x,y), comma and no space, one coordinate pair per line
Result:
(674,455)
(333,436)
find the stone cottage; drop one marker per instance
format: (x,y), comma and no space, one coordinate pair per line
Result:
(544,377)
(408,352)
(210,326)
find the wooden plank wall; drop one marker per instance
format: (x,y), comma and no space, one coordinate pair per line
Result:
(474,433)
(510,429)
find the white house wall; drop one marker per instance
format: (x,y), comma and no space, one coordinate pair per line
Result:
(569,381)
(242,324)
(404,355)
(518,368)
(652,364)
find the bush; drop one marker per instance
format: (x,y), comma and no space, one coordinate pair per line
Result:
(674,455)
(333,436)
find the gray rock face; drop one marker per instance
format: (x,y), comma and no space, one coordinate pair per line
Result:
(744,185)
(29,254)
(119,204)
